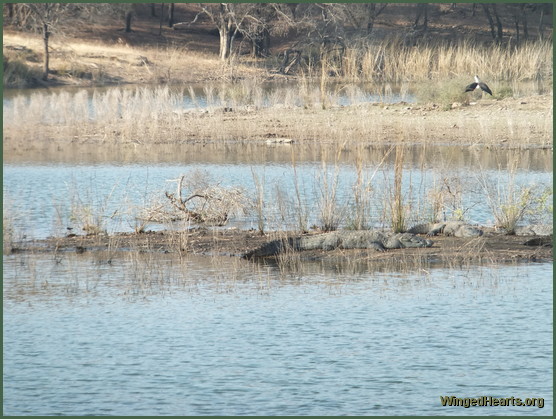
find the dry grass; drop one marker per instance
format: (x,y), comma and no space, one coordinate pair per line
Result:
(510,201)
(394,60)
(145,115)
(395,199)
(94,63)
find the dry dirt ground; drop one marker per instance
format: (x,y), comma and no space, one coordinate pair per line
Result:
(509,123)
(446,251)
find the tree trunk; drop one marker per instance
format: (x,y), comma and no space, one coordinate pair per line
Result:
(288,64)
(490,21)
(422,10)
(516,21)
(171,16)
(371,17)
(10,7)
(161,18)
(261,44)
(153,10)
(499,30)
(524,22)
(46,35)
(225,43)
(128,16)
(540,30)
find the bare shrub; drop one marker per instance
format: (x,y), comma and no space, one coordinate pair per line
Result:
(398,208)
(509,201)
(205,202)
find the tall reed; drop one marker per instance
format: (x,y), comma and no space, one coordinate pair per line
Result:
(396,199)
(259,182)
(331,214)
(301,213)
(362,190)
(509,201)
(394,60)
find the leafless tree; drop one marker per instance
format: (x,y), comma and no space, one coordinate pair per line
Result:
(362,15)
(48,18)
(171,15)
(495,30)
(228,19)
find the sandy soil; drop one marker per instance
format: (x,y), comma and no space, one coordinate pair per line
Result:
(502,124)
(446,251)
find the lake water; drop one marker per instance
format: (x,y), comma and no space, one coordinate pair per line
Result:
(42,200)
(247,92)
(115,333)
(225,94)
(144,335)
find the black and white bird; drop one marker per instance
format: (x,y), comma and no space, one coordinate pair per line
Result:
(478,85)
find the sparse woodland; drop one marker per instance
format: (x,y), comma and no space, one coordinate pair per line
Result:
(358,41)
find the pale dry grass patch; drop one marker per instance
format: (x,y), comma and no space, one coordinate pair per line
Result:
(150,115)
(395,60)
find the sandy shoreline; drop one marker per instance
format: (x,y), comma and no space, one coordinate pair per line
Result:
(501,124)
(446,251)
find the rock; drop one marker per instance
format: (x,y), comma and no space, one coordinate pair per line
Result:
(279,141)
(534,230)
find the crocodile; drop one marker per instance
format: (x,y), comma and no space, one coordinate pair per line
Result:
(358,239)
(447,228)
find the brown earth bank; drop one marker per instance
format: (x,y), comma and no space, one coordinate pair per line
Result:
(492,248)
(508,123)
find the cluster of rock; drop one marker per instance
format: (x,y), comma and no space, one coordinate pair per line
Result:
(448,228)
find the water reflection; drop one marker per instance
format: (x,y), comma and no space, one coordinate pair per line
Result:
(243,93)
(265,94)
(246,153)
(194,336)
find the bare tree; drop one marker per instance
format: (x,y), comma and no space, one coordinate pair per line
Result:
(496,30)
(128,17)
(520,17)
(496,36)
(361,16)
(45,17)
(171,15)
(227,17)
(257,29)
(422,11)
(545,9)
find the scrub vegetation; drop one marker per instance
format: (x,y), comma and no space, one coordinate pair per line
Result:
(281,84)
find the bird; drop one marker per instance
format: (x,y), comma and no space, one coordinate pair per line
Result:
(478,85)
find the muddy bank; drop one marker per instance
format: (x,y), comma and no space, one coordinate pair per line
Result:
(446,251)
(495,124)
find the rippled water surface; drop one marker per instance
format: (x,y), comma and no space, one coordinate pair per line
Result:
(130,334)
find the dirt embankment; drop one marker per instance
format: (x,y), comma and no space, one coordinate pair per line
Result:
(503,124)
(446,251)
